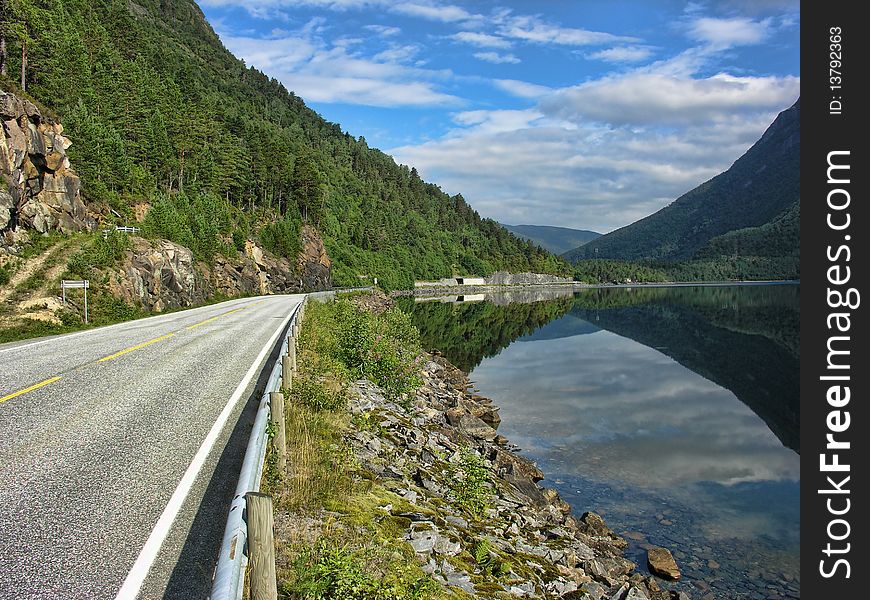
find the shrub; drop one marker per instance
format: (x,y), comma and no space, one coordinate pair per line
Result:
(331,571)
(382,348)
(5,274)
(469,479)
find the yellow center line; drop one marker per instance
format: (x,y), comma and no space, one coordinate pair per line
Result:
(29,389)
(195,325)
(125,351)
(136,347)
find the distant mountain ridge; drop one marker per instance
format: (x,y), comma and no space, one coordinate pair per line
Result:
(557,240)
(757,196)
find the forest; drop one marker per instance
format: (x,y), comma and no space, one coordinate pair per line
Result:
(163,117)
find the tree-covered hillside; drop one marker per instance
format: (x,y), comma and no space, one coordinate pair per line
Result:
(161,114)
(760,186)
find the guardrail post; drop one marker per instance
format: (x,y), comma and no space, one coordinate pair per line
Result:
(279,442)
(286,372)
(261,546)
(291,350)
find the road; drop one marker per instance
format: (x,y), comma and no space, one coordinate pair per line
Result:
(97,431)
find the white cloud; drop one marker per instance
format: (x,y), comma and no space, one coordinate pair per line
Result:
(366,91)
(397,54)
(522,89)
(444,13)
(318,73)
(496,121)
(496,58)
(481,39)
(533,29)
(620,54)
(650,98)
(603,154)
(726,33)
(384,30)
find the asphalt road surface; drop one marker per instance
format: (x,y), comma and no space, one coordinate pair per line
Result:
(97,432)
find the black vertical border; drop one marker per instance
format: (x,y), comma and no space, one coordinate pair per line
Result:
(822,133)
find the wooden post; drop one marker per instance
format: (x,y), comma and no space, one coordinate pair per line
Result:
(286,373)
(279,442)
(261,546)
(291,350)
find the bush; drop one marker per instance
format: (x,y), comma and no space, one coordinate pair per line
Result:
(5,274)
(315,394)
(282,238)
(101,253)
(469,479)
(195,220)
(350,342)
(330,571)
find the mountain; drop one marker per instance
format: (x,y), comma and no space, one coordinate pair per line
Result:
(703,332)
(170,129)
(761,189)
(557,240)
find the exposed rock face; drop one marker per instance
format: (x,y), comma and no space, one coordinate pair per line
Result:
(157,275)
(313,262)
(40,191)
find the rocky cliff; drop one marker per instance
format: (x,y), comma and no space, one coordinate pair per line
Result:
(40,191)
(157,275)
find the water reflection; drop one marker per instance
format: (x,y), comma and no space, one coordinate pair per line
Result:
(672,411)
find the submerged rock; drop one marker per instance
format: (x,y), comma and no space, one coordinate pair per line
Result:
(662,563)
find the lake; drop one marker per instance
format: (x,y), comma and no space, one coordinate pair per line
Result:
(671,411)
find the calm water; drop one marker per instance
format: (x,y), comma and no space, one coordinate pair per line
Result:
(673,412)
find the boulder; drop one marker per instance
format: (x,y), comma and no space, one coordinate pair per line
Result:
(507,462)
(474,427)
(662,563)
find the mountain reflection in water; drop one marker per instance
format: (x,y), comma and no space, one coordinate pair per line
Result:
(673,411)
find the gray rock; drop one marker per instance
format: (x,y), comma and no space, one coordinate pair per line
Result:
(446,546)
(474,427)
(423,542)
(7,206)
(525,588)
(560,587)
(457,521)
(462,581)
(636,593)
(619,593)
(594,590)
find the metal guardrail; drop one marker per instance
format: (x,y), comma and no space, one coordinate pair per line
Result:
(229,578)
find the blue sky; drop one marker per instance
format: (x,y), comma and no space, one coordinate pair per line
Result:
(586,114)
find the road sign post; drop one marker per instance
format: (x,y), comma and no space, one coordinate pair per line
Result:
(68,284)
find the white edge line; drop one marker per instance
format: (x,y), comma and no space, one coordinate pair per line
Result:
(136,576)
(66,336)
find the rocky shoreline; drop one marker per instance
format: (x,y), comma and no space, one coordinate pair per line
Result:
(523,541)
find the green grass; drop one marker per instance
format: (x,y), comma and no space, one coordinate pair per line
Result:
(358,554)
(5,274)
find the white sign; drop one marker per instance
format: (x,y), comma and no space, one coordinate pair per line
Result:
(68,284)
